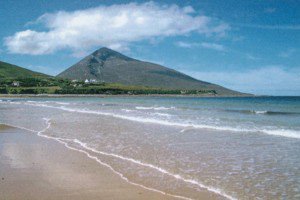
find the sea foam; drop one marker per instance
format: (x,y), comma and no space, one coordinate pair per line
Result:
(275,132)
(154,108)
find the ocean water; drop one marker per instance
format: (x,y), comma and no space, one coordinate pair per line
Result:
(234,148)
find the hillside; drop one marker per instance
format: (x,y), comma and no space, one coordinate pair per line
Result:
(109,66)
(9,71)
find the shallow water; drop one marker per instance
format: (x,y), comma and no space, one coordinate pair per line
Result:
(238,148)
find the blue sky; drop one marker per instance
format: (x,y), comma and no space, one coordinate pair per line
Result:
(250,46)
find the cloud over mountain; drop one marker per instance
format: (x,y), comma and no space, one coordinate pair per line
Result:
(114,26)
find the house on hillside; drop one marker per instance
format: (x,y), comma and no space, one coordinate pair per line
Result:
(15,84)
(93,81)
(87,81)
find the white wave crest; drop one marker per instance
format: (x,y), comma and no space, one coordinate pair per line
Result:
(260,112)
(276,132)
(154,108)
(284,133)
(162,114)
(127,110)
(62,103)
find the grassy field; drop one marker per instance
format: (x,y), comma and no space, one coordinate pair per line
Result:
(8,71)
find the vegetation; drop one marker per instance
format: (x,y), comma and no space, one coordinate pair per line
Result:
(64,86)
(8,71)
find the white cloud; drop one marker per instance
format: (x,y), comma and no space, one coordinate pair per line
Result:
(207,45)
(270,80)
(114,26)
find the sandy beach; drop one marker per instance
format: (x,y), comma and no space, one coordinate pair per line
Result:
(33,167)
(149,148)
(36,168)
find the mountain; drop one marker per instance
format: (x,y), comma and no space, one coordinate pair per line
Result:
(9,71)
(113,67)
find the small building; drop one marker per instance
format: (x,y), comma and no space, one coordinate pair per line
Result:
(86,81)
(93,81)
(15,84)
(74,81)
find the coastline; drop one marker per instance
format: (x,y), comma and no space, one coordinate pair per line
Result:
(33,167)
(37,168)
(141,141)
(118,95)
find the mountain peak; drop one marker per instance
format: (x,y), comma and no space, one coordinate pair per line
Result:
(105,50)
(105,53)
(113,67)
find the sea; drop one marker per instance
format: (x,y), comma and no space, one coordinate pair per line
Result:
(234,148)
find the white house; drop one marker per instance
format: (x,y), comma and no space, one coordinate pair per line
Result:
(15,83)
(93,81)
(86,81)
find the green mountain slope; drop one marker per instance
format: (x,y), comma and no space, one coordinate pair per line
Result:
(9,71)
(112,67)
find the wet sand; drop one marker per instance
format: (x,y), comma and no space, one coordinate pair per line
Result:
(32,167)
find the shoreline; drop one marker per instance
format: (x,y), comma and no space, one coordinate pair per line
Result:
(34,167)
(38,168)
(120,95)
(142,140)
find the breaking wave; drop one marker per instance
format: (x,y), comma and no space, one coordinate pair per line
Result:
(154,108)
(263,112)
(276,132)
